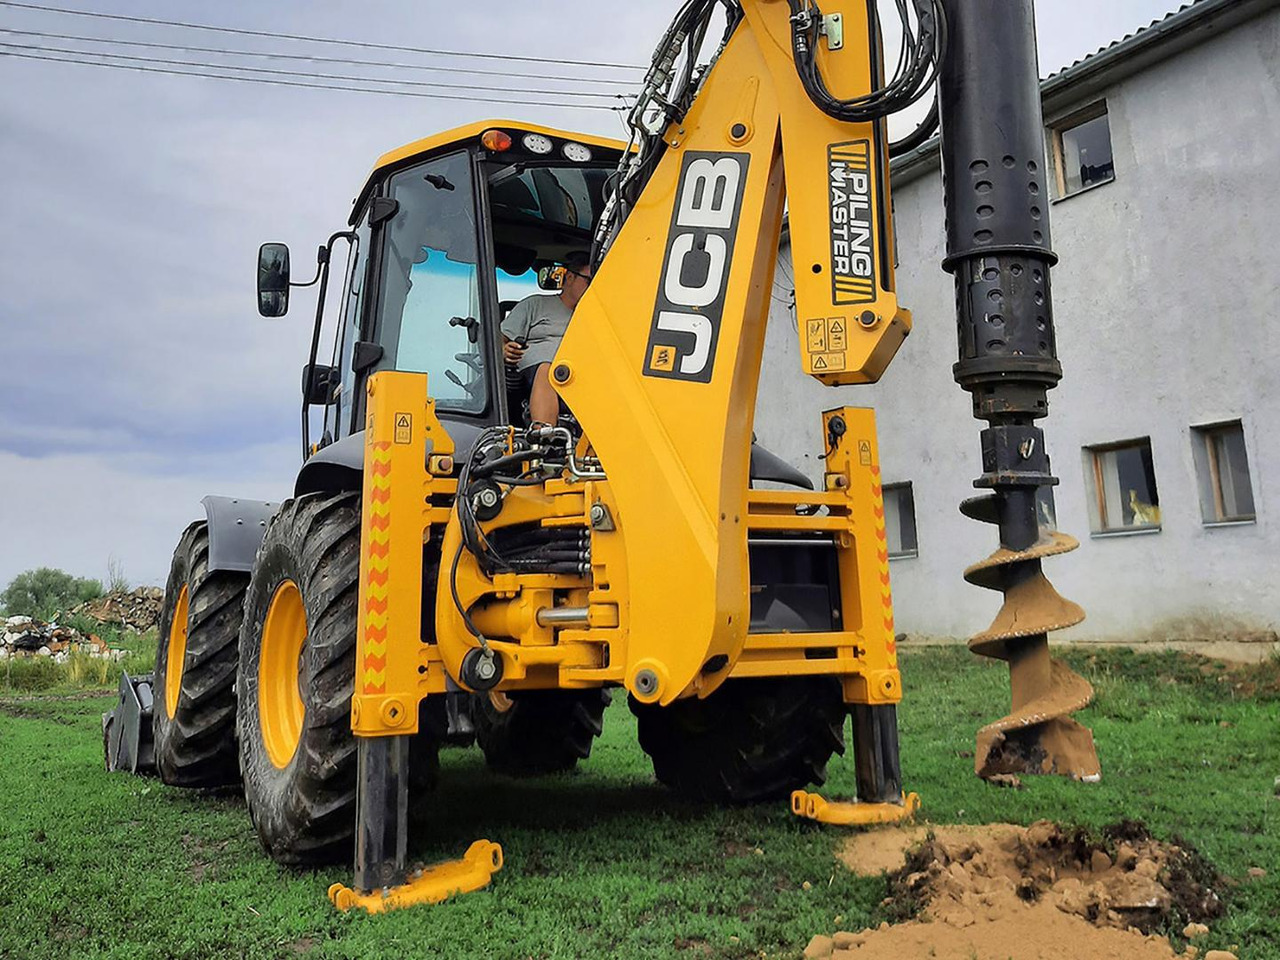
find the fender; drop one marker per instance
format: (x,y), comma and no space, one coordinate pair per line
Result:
(236,528)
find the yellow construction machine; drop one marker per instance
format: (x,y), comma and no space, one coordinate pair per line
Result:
(449,571)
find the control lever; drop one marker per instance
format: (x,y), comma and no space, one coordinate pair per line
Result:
(472,325)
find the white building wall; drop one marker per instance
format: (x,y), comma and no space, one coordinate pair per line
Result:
(1167,307)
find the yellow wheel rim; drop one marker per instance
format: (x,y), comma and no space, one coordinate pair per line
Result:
(280,708)
(501,702)
(175,654)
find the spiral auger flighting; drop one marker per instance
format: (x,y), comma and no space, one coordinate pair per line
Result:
(999,252)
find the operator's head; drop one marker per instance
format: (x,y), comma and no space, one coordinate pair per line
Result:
(577,277)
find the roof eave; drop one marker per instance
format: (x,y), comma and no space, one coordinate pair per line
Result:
(1062,91)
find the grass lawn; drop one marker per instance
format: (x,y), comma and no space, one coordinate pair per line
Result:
(604,863)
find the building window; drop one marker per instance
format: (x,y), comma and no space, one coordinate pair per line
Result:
(1082,150)
(1222,472)
(900,520)
(1122,484)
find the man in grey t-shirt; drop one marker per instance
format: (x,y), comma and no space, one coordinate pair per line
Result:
(532,331)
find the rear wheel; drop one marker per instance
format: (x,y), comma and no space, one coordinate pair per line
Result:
(751,740)
(194,717)
(536,732)
(296,679)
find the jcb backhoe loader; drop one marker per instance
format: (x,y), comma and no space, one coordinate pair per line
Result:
(447,569)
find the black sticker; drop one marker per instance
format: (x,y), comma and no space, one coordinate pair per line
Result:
(853,252)
(695,269)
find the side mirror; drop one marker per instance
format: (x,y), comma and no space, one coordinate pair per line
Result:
(551,277)
(273,279)
(318,382)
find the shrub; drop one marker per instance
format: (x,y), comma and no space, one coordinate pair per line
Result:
(44,592)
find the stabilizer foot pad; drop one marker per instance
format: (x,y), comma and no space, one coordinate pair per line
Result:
(813,807)
(431,885)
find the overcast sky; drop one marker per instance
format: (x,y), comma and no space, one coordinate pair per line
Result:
(135,374)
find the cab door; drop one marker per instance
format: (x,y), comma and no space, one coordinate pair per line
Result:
(433,297)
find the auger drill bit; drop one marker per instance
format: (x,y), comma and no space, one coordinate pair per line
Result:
(998,249)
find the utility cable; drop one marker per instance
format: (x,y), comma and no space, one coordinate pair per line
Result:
(273,35)
(313,86)
(303,74)
(346,61)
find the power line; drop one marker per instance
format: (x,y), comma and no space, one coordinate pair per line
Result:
(297,73)
(314,86)
(277,55)
(367,44)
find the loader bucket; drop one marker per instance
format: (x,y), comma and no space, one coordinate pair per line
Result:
(126,731)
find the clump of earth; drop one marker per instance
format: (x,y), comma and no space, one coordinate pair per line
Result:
(1004,892)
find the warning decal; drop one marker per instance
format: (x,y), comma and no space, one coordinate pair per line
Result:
(826,340)
(404,428)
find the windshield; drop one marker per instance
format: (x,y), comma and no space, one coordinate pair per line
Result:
(429,312)
(571,196)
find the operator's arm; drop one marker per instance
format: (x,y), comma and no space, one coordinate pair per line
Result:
(515,330)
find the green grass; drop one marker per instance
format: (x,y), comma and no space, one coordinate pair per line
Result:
(604,863)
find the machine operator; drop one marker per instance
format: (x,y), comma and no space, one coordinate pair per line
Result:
(532,331)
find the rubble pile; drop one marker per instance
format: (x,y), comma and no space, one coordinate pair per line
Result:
(137,610)
(28,637)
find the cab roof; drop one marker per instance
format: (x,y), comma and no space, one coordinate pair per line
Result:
(467,134)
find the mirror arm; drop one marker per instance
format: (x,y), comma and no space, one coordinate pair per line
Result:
(323,254)
(322,276)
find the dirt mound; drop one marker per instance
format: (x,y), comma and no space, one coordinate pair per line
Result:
(1015,893)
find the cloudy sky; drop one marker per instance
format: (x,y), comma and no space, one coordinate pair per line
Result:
(135,374)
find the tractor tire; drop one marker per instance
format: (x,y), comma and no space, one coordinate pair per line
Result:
(298,755)
(537,732)
(751,740)
(193,722)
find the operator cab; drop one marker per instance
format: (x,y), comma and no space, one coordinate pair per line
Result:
(448,234)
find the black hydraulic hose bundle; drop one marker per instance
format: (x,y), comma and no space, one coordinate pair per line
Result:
(923,46)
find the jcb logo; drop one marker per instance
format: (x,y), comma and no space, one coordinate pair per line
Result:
(695,272)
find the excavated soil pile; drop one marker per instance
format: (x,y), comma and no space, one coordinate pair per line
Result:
(1004,892)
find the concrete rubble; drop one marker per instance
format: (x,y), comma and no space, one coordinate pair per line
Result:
(26,637)
(137,610)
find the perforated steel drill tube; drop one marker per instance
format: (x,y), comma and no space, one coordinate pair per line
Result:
(998,249)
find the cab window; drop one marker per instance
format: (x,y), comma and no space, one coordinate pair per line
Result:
(429,313)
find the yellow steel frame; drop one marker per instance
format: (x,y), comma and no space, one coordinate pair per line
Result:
(668,594)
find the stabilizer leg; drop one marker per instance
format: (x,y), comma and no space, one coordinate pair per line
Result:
(879,773)
(384,709)
(382,813)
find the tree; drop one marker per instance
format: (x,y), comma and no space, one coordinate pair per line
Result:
(43,592)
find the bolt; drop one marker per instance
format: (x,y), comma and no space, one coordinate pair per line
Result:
(486,668)
(868,319)
(488,497)
(646,682)
(598,513)
(738,131)
(561,373)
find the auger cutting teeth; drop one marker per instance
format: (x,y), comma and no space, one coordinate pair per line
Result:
(1037,735)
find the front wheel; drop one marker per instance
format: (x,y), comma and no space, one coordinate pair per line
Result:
(751,740)
(193,722)
(535,732)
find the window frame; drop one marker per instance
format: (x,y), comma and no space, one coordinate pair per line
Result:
(1096,488)
(1057,152)
(1204,434)
(884,500)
